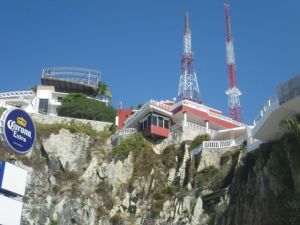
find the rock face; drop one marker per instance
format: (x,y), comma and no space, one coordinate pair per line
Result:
(210,157)
(265,189)
(75,179)
(67,150)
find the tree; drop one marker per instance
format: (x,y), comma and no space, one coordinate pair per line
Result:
(198,141)
(79,106)
(33,88)
(292,126)
(103,89)
(73,97)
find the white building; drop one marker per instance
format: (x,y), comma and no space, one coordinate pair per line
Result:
(57,83)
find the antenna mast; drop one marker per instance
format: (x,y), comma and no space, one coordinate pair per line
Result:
(233,92)
(188,84)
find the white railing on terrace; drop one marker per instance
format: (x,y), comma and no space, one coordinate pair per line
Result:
(122,132)
(160,105)
(206,109)
(16,94)
(193,126)
(217,145)
(267,107)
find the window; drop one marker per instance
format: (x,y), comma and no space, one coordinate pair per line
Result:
(154,120)
(43,106)
(59,99)
(149,120)
(145,124)
(166,124)
(160,122)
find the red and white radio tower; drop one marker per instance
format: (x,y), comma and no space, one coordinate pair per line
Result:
(233,92)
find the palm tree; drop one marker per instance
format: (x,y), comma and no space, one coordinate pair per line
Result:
(292,126)
(103,90)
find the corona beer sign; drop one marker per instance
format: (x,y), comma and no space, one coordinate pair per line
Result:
(18,130)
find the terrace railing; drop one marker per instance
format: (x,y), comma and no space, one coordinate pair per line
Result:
(80,75)
(16,94)
(269,106)
(217,145)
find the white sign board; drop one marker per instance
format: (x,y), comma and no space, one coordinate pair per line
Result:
(10,211)
(12,179)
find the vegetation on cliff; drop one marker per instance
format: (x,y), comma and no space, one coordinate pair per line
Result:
(266,186)
(80,106)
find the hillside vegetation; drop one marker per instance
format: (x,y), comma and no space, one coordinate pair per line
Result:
(82,107)
(77,177)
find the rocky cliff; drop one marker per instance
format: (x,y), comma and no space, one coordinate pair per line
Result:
(77,177)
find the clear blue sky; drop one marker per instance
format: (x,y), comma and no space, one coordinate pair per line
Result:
(137,45)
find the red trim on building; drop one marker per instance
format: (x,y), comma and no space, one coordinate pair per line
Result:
(123,114)
(169,103)
(205,116)
(156,131)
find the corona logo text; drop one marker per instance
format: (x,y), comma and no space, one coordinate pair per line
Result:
(19,130)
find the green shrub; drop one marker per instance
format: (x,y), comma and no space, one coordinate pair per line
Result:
(104,189)
(2,110)
(144,161)
(73,127)
(210,177)
(56,188)
(67,176)
(73,97)
(116,220)
(143,156)
(291,126)
(168,156)
(198,141)
(113,128)
(53,222)
(134,143)
(79,106)
(160,195)
(229,155)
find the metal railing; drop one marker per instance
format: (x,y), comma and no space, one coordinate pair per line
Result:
(80,75)
(122,132)
(16,94)
(269,105)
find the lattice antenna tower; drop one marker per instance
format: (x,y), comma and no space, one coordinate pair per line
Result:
(188,84)
(233,93)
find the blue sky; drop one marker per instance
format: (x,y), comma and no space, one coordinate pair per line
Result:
(137,45)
